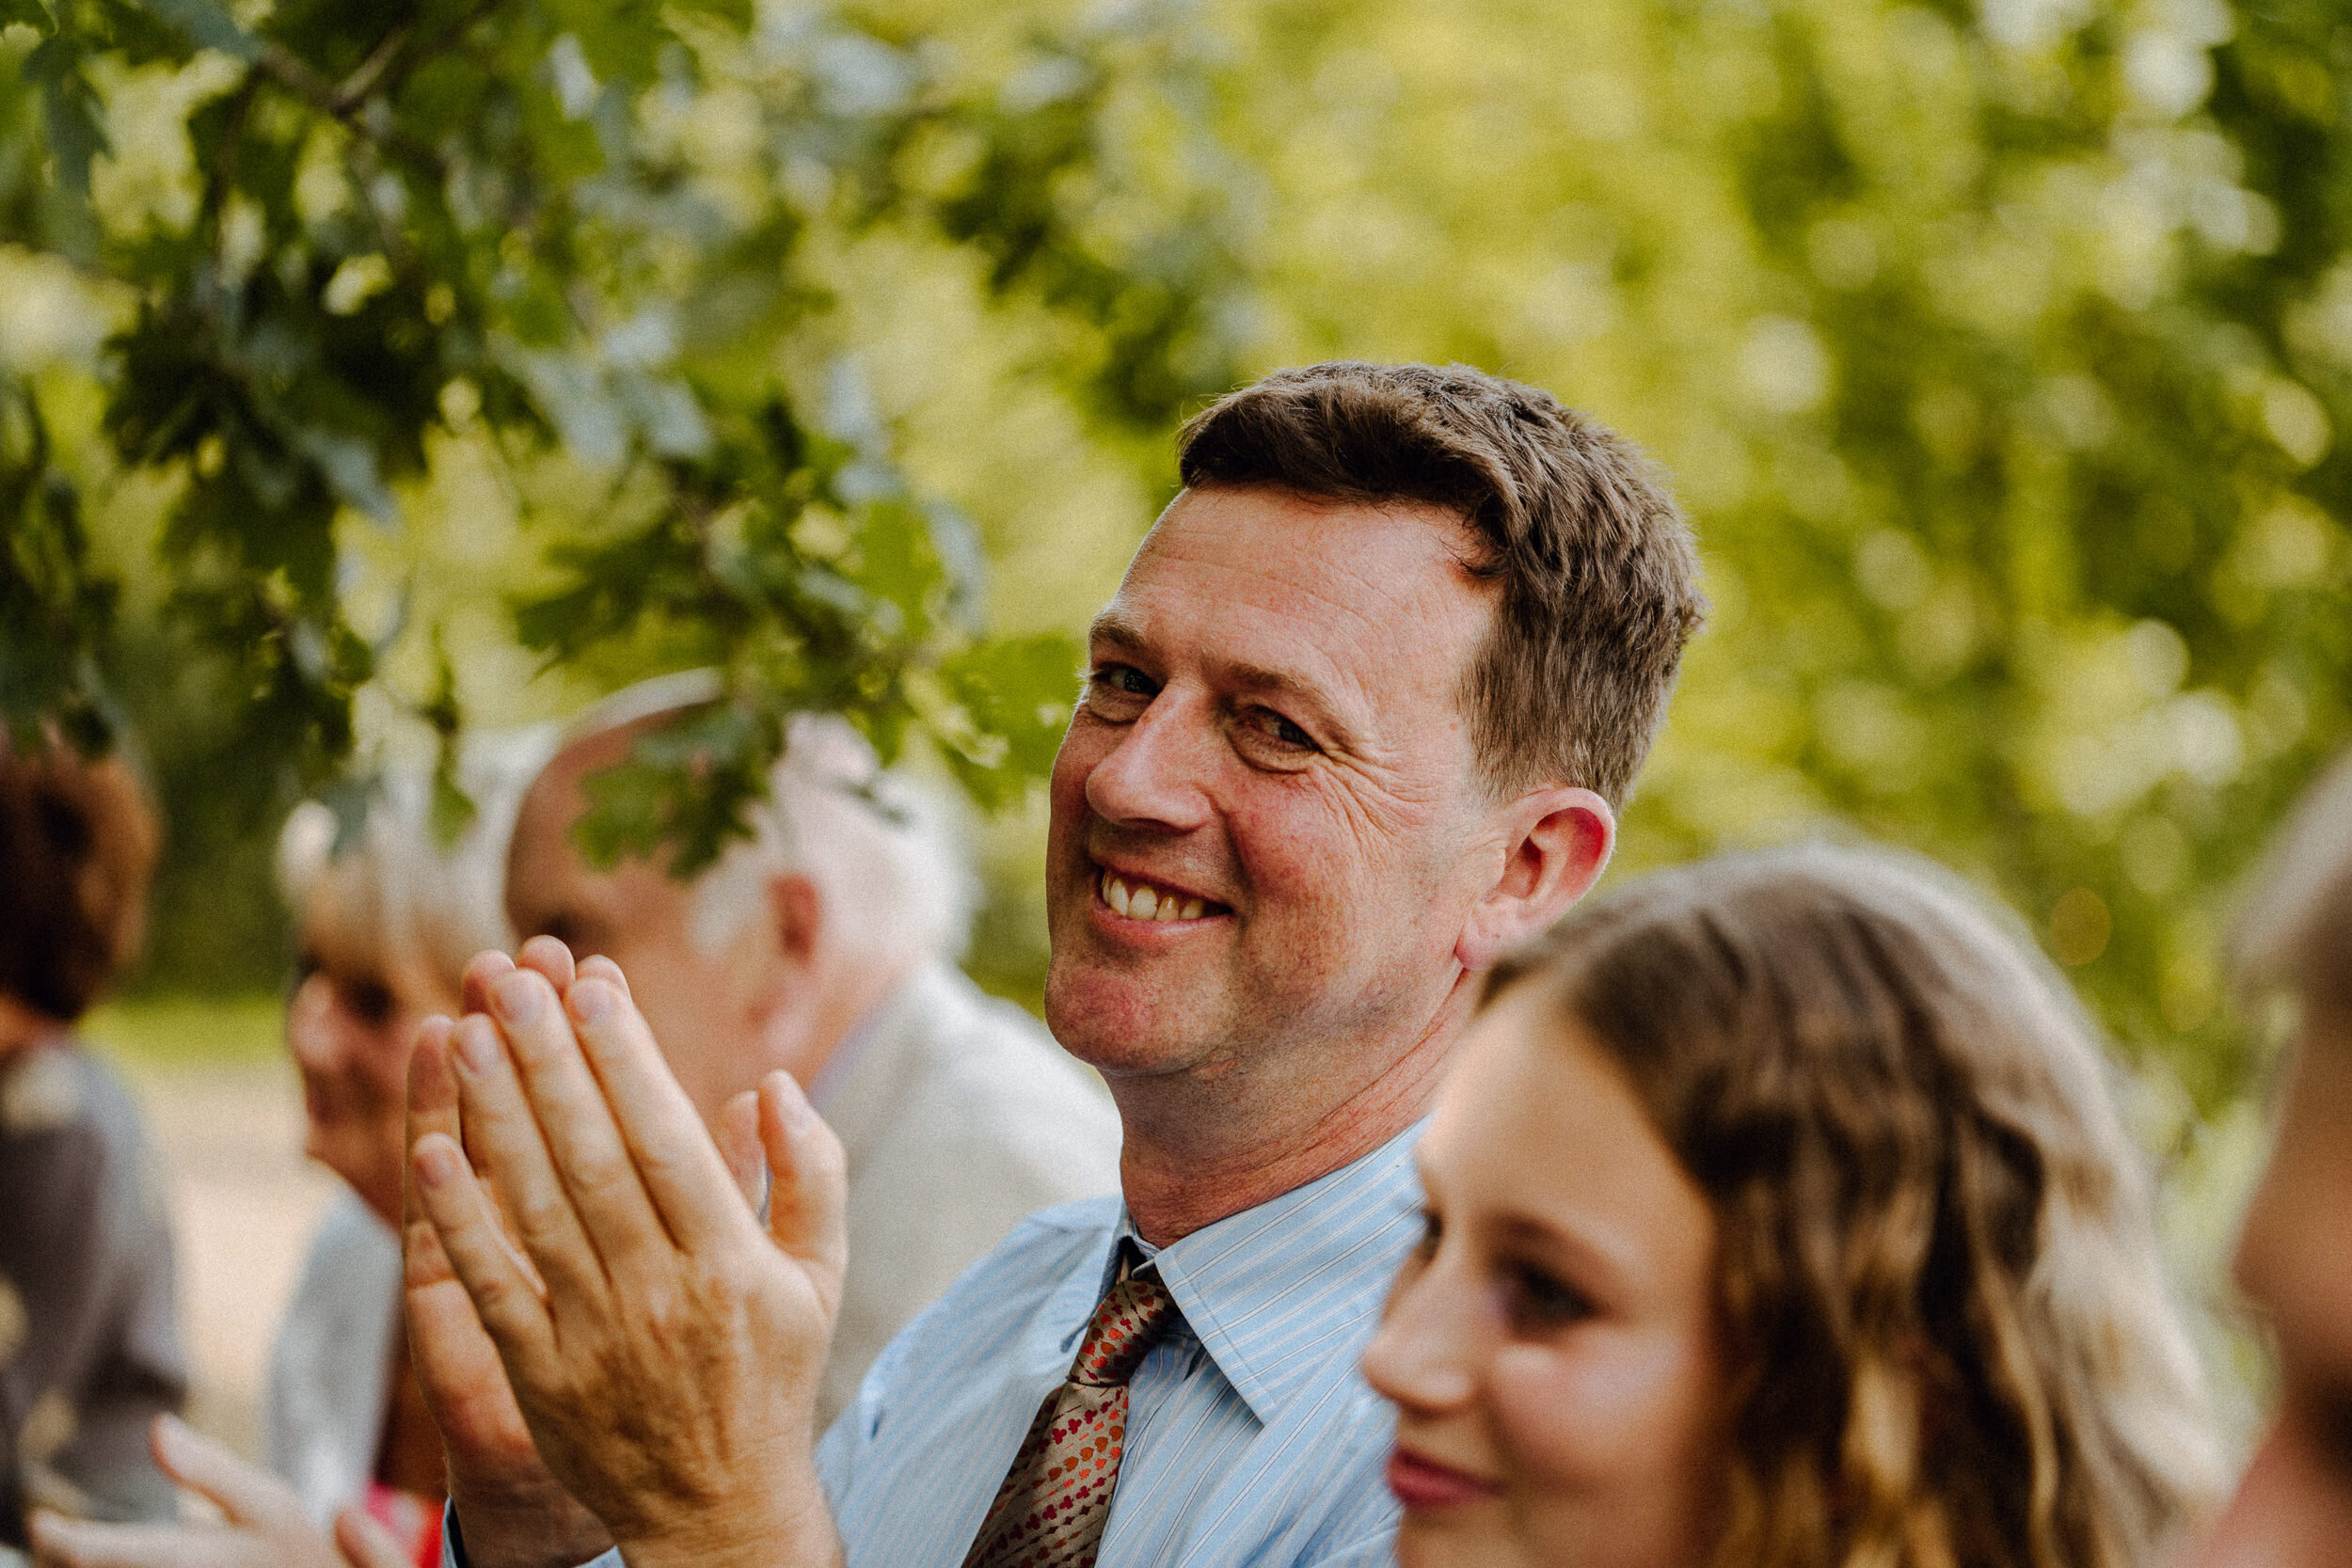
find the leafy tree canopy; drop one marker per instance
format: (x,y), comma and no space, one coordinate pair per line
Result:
(586,235)
(2001,349)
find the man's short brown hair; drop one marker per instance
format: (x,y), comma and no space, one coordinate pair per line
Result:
(1598,569)
(77,845)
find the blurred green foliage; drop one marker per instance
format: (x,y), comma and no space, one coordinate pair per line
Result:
(2000,352)
(189,1030)
(324,236)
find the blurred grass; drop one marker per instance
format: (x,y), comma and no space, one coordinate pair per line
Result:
(188,1030)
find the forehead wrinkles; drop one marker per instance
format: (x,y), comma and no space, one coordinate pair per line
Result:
(1327,617)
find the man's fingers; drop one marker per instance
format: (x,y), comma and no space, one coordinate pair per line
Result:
(598,1181)
(808,1200)
(366,1543)
(550,959)
(509,1152)
(597,966)
(248,1495)
(432,1088)
(737,1135)
(688,1182)
(480,970)
(509,1308)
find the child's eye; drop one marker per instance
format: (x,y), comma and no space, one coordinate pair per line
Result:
(1538,1301)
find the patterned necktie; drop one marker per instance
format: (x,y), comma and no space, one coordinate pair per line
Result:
(1051,1510)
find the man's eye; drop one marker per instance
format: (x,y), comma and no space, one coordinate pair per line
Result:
(573,931)
(370,999)
(1286,732)
(1537,1301)
(1119,685)
(1272,733)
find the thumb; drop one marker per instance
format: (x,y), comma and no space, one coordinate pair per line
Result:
(807,1197)
(366,1543)
(247,1495)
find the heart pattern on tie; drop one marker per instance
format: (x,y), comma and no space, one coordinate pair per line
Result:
(1056,1497)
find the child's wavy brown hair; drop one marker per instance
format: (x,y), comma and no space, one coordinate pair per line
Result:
(1949,1340)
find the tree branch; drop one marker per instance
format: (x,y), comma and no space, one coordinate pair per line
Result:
(362,82)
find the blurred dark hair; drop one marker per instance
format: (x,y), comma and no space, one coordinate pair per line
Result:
(77,845)
(2296,928)
(1948,1335)
(1599,573)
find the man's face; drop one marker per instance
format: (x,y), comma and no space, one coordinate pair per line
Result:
(1271,742)
(702,1006)
(2294,1510)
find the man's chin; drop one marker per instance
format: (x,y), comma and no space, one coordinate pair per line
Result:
(1120,1023)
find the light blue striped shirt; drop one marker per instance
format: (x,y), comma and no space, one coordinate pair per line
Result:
(1251,1438)
(1252,1441)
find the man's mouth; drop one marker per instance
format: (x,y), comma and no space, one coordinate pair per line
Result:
(1138,899)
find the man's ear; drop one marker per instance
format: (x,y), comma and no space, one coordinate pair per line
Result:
(1557,843)
(796,911)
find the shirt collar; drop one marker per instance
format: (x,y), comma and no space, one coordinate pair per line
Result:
(824,1085)
(1271,1291)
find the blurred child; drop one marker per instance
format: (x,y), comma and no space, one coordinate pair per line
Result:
(1779,1217)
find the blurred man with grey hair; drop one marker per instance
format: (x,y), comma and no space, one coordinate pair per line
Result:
(826,946)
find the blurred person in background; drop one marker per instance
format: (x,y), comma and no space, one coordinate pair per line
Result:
(1779,1216)
(826,946)
(2293,1507)
(90,1341)
(384,925)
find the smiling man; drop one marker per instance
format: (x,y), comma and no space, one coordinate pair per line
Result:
(1358,722)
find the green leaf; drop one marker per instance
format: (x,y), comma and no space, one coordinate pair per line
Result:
(35,14)
(70,110)
(207,26)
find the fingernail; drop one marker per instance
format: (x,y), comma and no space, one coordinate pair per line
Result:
(796,1110)
(518,997)
(171,1432)
(477,1046)
(591,1000)
(437,1166)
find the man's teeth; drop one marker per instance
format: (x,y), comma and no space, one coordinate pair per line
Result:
(1146,902)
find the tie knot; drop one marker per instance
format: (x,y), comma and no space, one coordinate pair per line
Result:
(1130,1320)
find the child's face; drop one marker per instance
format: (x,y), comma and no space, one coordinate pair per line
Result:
(1551,1348)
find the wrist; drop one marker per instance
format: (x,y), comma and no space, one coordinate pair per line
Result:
(524,1528)
(789,1527)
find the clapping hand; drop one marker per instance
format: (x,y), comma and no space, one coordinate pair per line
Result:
(263,1525)
(661,1348)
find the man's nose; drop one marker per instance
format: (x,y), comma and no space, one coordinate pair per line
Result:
(1424,1358)
(1156,775)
